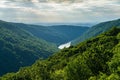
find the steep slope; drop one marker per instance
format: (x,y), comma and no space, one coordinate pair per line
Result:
(19,48)
(94,59)
(70,32)
(58,34)
(97,29)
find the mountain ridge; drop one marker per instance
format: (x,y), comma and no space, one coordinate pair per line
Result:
(97,29)
(58,34)
(20,48)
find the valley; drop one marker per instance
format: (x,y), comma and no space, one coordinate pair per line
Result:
(59,39)
(94,59)
(23,44)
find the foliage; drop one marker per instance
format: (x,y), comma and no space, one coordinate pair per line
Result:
(94,59)
(19,48)
(57,34)
(96,30)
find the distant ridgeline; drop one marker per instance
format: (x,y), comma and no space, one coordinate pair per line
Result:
(94,59)
(96,30)
(57,34)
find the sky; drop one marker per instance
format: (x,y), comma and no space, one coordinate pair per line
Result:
(59,11)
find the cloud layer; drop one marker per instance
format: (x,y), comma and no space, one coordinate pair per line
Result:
(35,11)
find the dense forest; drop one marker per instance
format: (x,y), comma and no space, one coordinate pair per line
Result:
(57,34)
(96,30)
(95,59)
(22,44)
(20,48)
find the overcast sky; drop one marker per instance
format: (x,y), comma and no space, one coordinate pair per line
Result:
(45,11)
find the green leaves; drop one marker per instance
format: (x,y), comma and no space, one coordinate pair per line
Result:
(19,48)
(95,59)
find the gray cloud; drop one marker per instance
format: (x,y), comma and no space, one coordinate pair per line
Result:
(59,10)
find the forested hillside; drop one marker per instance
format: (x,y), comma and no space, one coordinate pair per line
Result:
(20,48)
(96,30)
(95,59)
(57,34)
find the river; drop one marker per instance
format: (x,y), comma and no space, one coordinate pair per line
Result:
(66,45)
